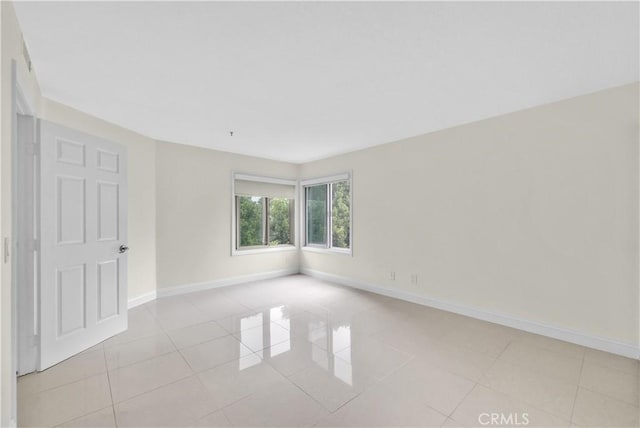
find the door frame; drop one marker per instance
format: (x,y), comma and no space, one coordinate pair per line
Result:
(25,252)
(24,347)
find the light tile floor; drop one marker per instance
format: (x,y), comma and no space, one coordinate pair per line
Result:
(297,351)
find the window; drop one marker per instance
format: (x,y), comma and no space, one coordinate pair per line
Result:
(328,213)
(251,215)
(341,214)
(317,214)
(264,221)
(264,214)
(280,221)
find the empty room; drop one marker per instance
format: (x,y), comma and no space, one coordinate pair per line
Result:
(319,214)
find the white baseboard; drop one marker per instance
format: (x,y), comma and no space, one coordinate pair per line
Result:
(625,349)
(142,299)
(224,282)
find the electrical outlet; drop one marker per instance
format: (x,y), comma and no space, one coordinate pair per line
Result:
(392,276)
(414,278)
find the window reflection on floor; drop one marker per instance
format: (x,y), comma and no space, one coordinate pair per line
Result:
(279,344)
(341,339)
(269,334)
(342,370)
(279,314)
(250,327)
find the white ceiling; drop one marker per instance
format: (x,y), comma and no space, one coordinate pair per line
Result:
(303,81)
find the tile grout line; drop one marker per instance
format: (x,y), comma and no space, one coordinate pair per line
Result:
(537,374)
(144,359)
(81,380)
(626,403)
(203,342)
(222,408)
(611,367)
(575,398)
(438,411)
(475,385)
(193,372)
(153,389)
(504,349)
(113,406)
(78,417)
(464,376)
(528,403)
(330,412)
(219,409)
(66,383)
(295,385)
(534,371)
(373,384)
(556,352)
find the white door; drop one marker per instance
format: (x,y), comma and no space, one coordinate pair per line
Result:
(83,235)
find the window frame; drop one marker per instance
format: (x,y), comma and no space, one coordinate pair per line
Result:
(329,181)
(236,250)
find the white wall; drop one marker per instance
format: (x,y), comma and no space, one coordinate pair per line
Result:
(533,214)
(194,216)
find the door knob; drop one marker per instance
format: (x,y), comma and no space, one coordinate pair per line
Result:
(123,249)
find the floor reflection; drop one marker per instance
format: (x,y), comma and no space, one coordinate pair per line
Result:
(270,333)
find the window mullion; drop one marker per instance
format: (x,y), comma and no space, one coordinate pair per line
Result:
(265,222)
(237,222)
(329,215)
(306,216)
(292,215)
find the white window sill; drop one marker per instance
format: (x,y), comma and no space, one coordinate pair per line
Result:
(261,250)
(342,251)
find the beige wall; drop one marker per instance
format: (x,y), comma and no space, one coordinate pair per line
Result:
(194,215)
(533,214)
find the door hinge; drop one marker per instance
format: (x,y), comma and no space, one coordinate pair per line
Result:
(31,148)
(5,249)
